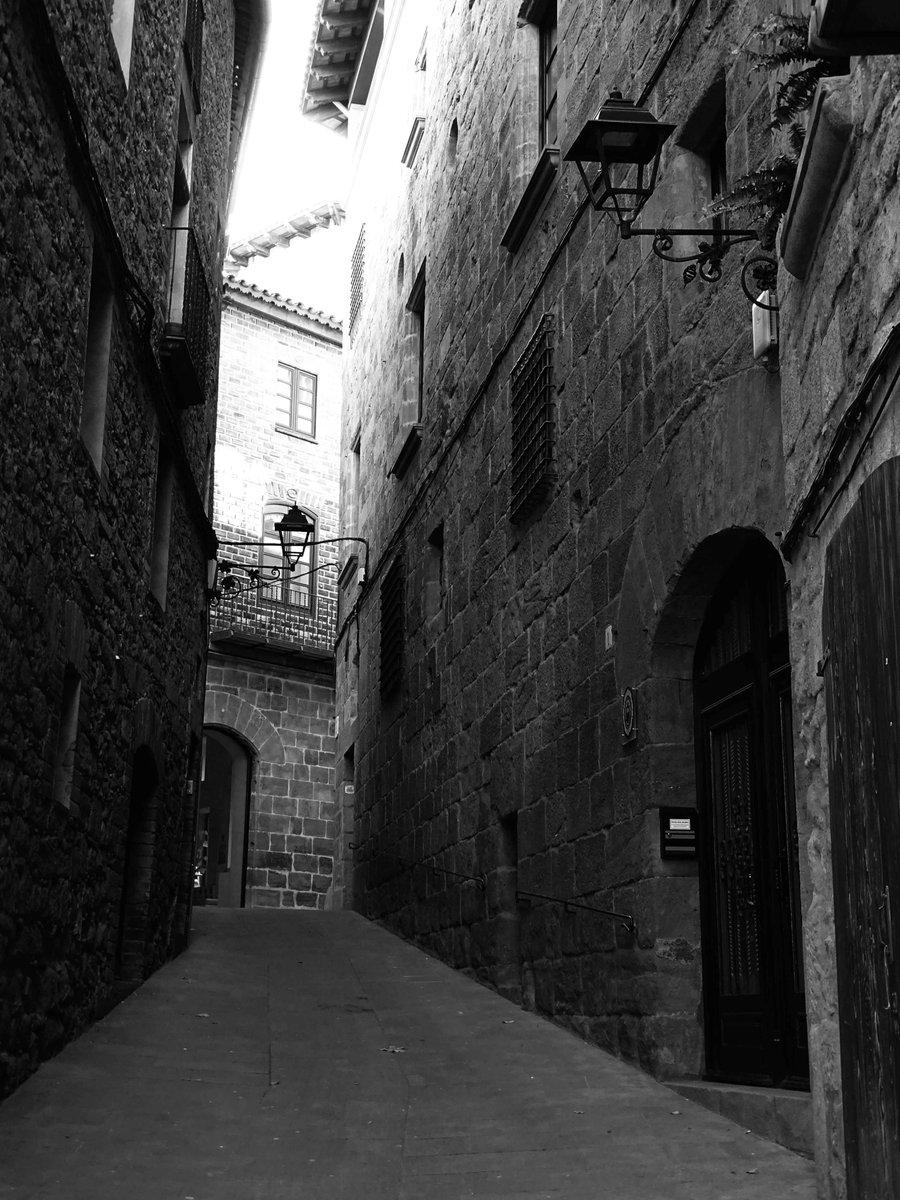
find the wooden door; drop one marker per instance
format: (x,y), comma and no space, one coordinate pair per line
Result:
(861,626)
(755,1015)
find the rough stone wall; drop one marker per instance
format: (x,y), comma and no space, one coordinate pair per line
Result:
(834,322)
(285,717)
(74,543)
(666,435)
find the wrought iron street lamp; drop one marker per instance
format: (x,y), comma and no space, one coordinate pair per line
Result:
(230,579)
(617,155)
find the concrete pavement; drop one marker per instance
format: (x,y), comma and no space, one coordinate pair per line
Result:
(313,1056)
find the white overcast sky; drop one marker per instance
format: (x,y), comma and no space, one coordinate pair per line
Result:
(290,164)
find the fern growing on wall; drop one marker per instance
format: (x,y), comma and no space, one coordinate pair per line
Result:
(763,194)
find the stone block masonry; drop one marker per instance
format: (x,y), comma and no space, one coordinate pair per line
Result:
(285,717)
(103,532)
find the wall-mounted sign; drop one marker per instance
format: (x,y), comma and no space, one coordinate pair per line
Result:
(629,716)
(678,832)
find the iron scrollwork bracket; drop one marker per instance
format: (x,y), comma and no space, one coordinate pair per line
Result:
(706,260)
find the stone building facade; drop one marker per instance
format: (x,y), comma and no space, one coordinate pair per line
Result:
(121,127)
(267,802)
(593,621)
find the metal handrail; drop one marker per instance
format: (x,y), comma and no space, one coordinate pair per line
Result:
(411,866)
(625,918)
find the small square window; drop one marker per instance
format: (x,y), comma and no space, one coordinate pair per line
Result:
(295,401)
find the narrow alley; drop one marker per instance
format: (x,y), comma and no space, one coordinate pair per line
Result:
(318,1057)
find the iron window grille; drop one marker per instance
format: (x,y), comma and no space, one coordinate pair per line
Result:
(392,628)
(357,265)
(295,401)
(531,412)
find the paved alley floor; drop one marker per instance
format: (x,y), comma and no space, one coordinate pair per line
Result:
(314,1056)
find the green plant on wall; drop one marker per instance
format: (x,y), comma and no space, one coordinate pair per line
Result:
(763,194)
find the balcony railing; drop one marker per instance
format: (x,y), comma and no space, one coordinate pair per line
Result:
(186,339)
(271,616)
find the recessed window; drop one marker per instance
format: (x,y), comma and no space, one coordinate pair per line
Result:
(353,523)
(277,582)
(295,402)
(96,361)
(531,414)
(434,573)
(416,306)
(392,628)
(549,66)
(453,142)
(67,737)
(401,271)
(162,526)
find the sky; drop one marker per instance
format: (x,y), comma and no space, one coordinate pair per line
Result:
(290,164)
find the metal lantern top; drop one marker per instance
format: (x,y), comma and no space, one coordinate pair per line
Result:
(294,531)
(626,142)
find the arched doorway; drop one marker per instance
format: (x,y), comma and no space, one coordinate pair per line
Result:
(137,871)
(221,849)
(755,1017)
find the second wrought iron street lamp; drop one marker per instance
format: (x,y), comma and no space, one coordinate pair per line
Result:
(617,155)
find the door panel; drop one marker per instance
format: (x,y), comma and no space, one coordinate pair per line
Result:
(862,688)
(752,959)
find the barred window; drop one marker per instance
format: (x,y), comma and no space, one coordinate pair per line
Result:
(357,266)
(531,414)
(392,628)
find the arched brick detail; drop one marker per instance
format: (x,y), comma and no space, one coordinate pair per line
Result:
(232,713)
(719,474)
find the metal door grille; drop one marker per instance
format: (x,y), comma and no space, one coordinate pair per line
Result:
(531,412)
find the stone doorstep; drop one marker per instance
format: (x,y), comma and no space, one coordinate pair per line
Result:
(777,1114)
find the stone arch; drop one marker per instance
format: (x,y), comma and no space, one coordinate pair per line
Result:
(717,487)
(244,720)
(722,472)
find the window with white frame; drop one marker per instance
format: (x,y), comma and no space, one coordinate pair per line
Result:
(295,403)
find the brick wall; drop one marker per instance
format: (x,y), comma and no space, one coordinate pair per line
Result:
(285,718)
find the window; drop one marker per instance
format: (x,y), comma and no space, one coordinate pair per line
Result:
(546,23)
(531,414)
(434,573)
(64,758)
(278,583)
(416,306)
(295,403)
(162,526)
(121,24)
(357,265)
(392,628)
(96,361)
(353,523)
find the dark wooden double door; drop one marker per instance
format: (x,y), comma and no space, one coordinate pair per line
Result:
(861,628)
(754,1010)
